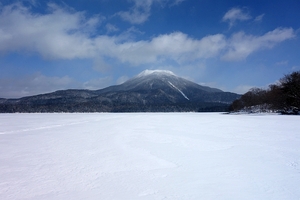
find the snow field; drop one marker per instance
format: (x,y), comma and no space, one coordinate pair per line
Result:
(149,156)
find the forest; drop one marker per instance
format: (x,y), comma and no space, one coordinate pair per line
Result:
(282,97)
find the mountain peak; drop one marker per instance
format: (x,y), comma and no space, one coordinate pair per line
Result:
(157,71)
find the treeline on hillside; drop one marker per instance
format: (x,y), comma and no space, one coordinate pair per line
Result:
(282,97)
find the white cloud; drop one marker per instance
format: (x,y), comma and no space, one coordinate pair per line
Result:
(59,34)
(111,28)
(259,18)
(235,14)
(65,34)
(241,45)
(141,10)
(129,35)
(175,46)
(139,13)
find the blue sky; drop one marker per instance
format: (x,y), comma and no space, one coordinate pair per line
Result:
(91,44)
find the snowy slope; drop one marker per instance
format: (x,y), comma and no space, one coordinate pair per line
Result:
(164,87)
(149,156)
(151,79)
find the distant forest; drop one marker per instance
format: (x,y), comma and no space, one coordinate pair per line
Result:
(283,97)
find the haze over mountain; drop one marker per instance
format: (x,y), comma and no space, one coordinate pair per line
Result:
(151,90)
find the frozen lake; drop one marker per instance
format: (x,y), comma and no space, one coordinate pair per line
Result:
(149,156)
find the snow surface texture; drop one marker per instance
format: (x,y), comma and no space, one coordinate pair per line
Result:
(149,156)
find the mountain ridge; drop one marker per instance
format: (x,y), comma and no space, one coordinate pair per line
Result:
(149,91)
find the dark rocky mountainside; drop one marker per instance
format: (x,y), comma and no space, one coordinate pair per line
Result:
(150,91)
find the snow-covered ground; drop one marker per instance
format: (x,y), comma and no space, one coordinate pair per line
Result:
(149,156)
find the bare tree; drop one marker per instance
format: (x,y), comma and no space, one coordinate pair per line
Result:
(291,90)
(284,96)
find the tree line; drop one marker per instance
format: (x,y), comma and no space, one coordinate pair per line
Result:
(283,97)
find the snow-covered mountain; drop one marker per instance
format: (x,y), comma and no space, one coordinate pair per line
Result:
(151,90)
(158,79)
(154,86)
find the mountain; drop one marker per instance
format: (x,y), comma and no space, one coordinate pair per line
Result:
(149,91)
